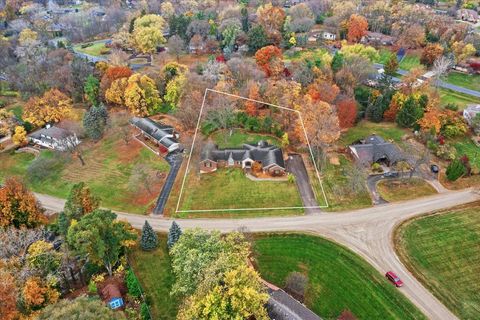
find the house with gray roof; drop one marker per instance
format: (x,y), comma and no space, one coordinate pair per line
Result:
(269,157)
(161,135)
(374,149)
(54,138)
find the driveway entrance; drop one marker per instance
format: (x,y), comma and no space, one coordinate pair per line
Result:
(296,167)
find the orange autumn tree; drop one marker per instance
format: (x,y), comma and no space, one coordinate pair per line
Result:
(272,19)
(251,108)
(322,90)
(347,112)
(18,206)
(53,106)
(36,294)
(395,105)
(113,73)
(269,59)
(8,294)
(357,27)
(431,121)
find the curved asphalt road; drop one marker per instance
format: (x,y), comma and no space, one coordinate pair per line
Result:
(368,232)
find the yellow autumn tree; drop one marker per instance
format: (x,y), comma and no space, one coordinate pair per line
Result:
(141,95)
(116,92)
(53,106)
(20,136)
(26,36)
(148,33)
(174,76)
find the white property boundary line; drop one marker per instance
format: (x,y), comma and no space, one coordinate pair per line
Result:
(247,209)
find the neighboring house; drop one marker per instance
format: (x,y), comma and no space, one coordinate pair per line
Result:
(467,15)
(55,138)
(160,134)
(374,149)
(112,296)
(328,35)
(282,306)
(471,112)
(269,157)
(377,38)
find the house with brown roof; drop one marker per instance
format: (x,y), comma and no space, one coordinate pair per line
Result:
(269,157)
(377,38)
(467,15)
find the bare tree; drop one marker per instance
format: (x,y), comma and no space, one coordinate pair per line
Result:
(440,67)
(416,156)
(15,242)
(175,46)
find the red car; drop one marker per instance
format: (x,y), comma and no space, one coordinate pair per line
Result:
(394,278)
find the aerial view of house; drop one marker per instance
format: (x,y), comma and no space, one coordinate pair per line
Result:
(246,160)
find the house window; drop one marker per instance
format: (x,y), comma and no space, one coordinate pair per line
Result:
(208,164)
(117,303)
(277,172)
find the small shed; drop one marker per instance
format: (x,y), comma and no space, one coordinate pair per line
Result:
(112,296)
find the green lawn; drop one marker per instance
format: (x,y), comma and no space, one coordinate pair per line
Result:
(464,80)
(336,181)
(239,137)
(460,99)
(443,252)
(231,189)
(109,166)
(338,278)
(384,56)
(409,62)
(466,146)
(389,131)
(94,50)
(404,189)
(154,272)
(17,111)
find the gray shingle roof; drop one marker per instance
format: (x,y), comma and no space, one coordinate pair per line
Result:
(375,148)
(282,306)
(52,132)
(264,152)
(161,133)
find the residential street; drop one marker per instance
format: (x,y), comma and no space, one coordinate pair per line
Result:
(367,232)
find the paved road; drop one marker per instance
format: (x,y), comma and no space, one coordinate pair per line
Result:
(175,162)
(296,166)
(441,84)
(367,232)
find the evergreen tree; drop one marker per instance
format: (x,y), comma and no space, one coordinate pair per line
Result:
(455,170)
(95,121)
(149,240)
(257,38)
(63,223)
(92,89)
(173,234)
(391,66)
(337,62)
(410,113)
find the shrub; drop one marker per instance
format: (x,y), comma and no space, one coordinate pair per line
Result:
(132,283)
(445,152)
(455,170)
(296,283)
(291,178)
(3,103)
(92,287)
(376,167)
(452,106)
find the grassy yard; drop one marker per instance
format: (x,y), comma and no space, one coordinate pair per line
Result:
(336,181)
(464,80)
(460,99)
(239,137)
(338,278)
(384,56)
(466,146)
(404,189)
(154,272)
(109,167)
(389,131)
(409,62)
(94,50)
(231,189)
(443,252)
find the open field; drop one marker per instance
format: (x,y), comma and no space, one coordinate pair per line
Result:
(239,137)
(460,99)
(443,252)
(94,50)
(338,279)
(409,62)
(109,169)
(465,146)
(464,80)
(231,189)
(404,189)
(154,272)
(336,181)
(389,131)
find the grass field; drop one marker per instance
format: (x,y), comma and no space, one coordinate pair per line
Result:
(460,99)
(110,165)
(409,62)
(238,138)
(338,278)
(154,272)
(389,131)
(231,189)
(336,180)
(443,252)
(94,50)
(404,189)
(465,145)
(464,80)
